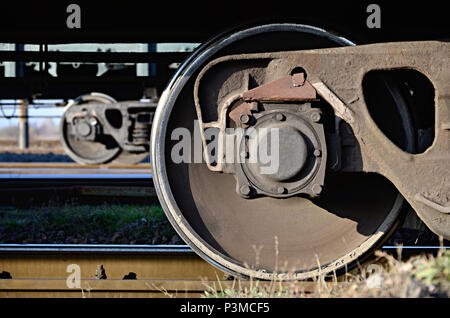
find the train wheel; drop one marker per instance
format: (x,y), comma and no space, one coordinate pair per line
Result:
(266,237)
(88,151)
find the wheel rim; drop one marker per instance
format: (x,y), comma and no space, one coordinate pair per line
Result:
(228,231)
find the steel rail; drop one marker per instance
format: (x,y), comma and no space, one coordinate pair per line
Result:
(95,248)
(37,176)
(43,270)
(33,171)
(69,165)
(127,248)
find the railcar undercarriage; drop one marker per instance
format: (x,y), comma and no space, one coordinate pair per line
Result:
(96,129)
(359,133)
(283,150)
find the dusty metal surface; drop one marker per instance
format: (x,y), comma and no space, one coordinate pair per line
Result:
(298,128)
(423,179)
(288,89)
(302,152)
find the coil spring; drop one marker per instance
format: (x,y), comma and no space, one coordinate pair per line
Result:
(141,132)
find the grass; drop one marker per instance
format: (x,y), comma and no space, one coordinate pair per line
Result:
(69,223)
(386,277)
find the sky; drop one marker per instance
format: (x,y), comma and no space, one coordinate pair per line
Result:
(33,110)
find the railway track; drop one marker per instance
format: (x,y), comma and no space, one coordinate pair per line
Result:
(45,180)
(104,271)
(35,170)
(145,271)
(138,271)
(42,270)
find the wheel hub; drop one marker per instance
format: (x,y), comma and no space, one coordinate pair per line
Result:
(292,153)
(284,152)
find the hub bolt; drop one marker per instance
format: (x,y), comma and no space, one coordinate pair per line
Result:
(317,153)
(280,117)
(315,117)
(281,190)
(317,189)
(244,118)
(245,190)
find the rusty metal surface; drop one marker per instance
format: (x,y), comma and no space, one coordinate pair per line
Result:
(289,88)
(51,266)
(337,74)
(242,110)
(40,274)
(165,273)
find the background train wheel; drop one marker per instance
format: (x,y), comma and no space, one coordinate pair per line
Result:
(88,152)
(266,237)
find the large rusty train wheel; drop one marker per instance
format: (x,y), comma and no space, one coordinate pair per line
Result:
(267,237)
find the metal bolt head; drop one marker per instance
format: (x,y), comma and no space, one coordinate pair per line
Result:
(245,190)
(317,153)
(317,189)
(281,190)
(315,117)
(280,117)
(244,118)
